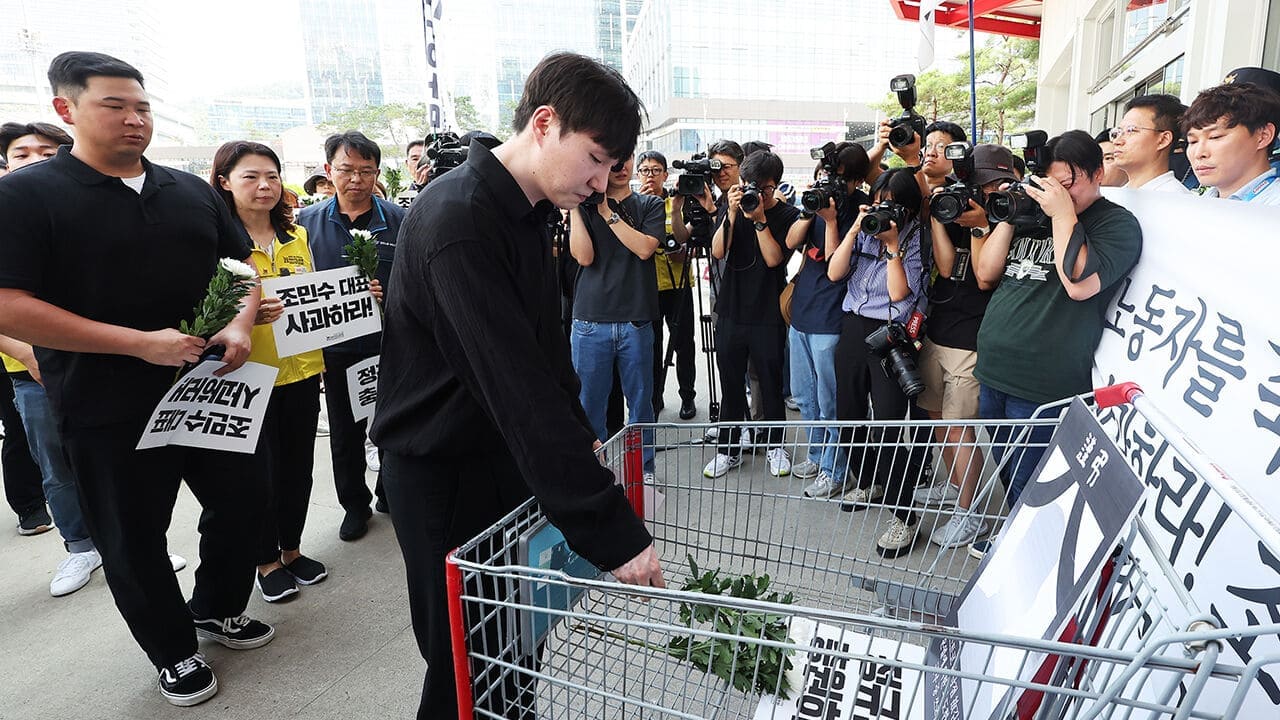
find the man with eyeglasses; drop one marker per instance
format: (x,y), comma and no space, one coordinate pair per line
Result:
(1144,140)
(352,164)
(751,241)
(1230,130)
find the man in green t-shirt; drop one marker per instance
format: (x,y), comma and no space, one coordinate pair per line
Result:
(1052,286)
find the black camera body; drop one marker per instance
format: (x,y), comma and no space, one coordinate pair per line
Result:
(696,175)
(1013,205)
(750,197)
(904,128)
(445,152)
(953,201)
(829,185)
(896,350)
(878,216)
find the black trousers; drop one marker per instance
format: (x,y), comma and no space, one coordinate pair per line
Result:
(286,455)
(762,345)
(128,498)
(880,457)
(22,480)
(346,436)
(675,310)
(438,504)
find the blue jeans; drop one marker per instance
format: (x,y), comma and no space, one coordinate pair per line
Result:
(813,387)
(597,347)
(46,448)
(994,404)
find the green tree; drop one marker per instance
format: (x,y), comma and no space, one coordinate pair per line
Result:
(465,114)
(392,126)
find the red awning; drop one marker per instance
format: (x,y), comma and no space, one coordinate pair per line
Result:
(1018,18)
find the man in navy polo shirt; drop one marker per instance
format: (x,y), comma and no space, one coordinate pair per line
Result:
(102,256)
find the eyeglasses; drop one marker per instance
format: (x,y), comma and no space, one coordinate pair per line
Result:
(726,167)
(767,189)
(1116,133)
(363,173)
(651,172)
(936,147)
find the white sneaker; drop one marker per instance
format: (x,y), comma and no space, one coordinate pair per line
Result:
(805,469)
(73,572)
(824,486)
(745,439)
(857,498)
(959,530)
(177,561)
(371,456)
(779,462)
(896,539)
(721,464)
(944,493)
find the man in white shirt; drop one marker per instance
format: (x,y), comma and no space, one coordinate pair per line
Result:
(1230,129)
(1143,140)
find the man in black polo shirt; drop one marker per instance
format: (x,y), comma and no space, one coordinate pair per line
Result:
(479,401)
(103,254)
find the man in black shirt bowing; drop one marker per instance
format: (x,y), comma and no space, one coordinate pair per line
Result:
(478,399)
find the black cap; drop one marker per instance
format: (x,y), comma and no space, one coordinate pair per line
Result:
(1261,77)
(991,163)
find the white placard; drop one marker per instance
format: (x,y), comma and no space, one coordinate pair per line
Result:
(827,684)
(322,309)
(216,413)
(1195,325)
(362,388)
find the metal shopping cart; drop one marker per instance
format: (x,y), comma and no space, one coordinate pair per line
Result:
(841,630)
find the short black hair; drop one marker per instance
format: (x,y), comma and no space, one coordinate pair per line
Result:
(901,183)
(588,96)
(955,131)
(761,166)
(853,158)
(352,141)
(413,144)
(1020,165)
(1077,149)
(1103,136)
(726,147)
(1253,106)
(11,131)
(754,146)
(1167,109)
(653,155)
(69,72)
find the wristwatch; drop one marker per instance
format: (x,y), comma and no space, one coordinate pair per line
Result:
(614,219)
(760,227)
(978,232)
(886,255)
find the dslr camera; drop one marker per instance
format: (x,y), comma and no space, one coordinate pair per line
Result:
(896,349)
(1013,205)
(953,202)
(829,186)
(904,128)
(696,174)
(877,218)
(750,197)
(445,152)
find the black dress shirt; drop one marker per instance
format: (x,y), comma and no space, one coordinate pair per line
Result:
(474,359)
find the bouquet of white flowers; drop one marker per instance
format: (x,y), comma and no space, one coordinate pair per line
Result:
(231,281)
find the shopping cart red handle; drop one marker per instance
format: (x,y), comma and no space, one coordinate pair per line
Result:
(1113,395)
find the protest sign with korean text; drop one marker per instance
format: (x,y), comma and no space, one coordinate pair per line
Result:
(216,413)
(322,309)
(362,388)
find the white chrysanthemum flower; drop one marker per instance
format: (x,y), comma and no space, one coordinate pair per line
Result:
(240,270)
(362,235)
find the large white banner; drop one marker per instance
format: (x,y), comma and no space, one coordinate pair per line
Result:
(1195,325)
(322,309)
(217,413)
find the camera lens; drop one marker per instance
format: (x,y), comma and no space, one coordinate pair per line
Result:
(946,207)
(750,200)
(1000,206)
(901,135)
(813,200)
(902,367)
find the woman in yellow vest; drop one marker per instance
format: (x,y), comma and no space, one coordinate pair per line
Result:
(247,175)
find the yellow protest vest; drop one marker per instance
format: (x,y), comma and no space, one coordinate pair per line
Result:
(294,255)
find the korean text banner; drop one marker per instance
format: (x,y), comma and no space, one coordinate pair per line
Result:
(216,413)
(322,309)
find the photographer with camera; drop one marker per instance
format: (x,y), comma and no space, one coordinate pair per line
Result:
(831,205)
(881,262)
(751,240)
(613,237)
(959,225)
(675,291)
(1055,260)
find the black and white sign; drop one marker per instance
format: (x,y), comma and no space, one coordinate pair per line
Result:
(362,388)
(839,678)
(1064,527)
(322,309)
(217,413)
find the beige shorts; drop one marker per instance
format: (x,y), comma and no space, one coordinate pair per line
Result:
(949,384)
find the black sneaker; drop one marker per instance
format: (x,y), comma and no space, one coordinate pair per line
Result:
(354,525)
(188,682)
(306,571)
(237,633)
(687,410)
(381,506)
(35,522)
(277,585)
